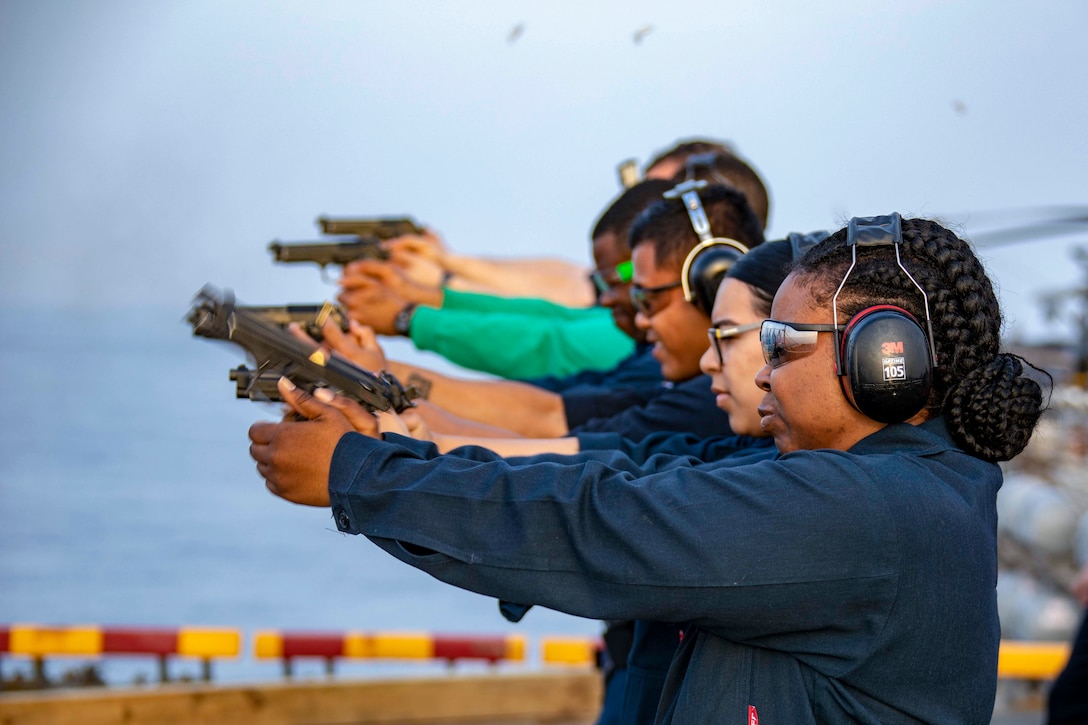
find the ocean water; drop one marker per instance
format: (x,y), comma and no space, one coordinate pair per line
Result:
(128,498)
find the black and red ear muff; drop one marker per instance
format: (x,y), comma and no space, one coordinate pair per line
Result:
(883,356)
(884,364)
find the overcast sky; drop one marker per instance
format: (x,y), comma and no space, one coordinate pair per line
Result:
(149,147)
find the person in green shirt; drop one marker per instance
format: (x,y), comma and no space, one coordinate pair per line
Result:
(546,339)
(554,340)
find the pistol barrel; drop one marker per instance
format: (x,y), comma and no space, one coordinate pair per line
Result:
(325,253)
(379,227)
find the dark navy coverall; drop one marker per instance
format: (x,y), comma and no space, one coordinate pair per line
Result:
(815,587)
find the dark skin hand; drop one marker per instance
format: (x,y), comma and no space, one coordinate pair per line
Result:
(293,456)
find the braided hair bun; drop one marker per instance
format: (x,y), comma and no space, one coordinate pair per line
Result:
(990,402)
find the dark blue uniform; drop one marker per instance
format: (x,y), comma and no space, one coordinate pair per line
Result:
(633,400)
(820,586)
(698,449)
(686,407)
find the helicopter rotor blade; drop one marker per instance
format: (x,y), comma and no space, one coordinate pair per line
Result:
(997,228)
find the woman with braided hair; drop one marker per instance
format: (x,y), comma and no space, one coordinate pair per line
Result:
(989,407)
(849,579)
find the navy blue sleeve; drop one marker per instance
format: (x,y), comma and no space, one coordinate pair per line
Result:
(586,403)
(688,407)
(658,453)
(810,558)
(709,549)
(674,444)
(559,384)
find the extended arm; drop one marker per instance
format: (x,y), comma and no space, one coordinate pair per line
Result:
(518,407)
(509,447)
(549,278)
(609,543)
(544,338)
(517,346)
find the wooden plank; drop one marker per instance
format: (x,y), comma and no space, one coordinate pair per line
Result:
(551,697)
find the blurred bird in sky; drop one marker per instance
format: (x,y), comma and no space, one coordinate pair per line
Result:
(515,32)
(642,33)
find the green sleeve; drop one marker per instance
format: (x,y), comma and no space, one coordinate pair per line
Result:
(454,300)
(520,346)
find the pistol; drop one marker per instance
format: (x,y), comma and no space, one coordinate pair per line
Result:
(377,227)
(276,353)
(348,249)
(311,318)
(263,386)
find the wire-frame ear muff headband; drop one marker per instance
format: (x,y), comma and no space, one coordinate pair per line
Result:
(874,232)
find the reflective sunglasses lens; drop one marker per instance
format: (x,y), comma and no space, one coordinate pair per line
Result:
(770,337)
(781,342)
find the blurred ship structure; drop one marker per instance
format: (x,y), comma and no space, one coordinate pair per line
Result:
(1043,505)
(1042,511)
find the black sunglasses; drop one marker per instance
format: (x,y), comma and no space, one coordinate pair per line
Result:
(786,341)
(643,297)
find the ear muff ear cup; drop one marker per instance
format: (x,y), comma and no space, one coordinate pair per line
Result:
(886,371)
(704,269)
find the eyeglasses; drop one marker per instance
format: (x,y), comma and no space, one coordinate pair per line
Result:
(624,272)
(717,334)
(643,297)
(786,341)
